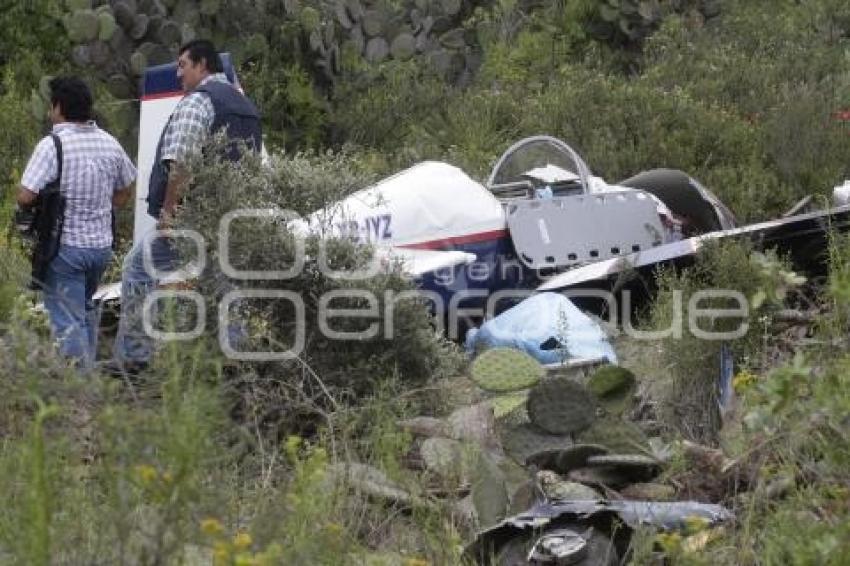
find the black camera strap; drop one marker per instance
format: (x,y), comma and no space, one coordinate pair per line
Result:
(49,221)
(57,143)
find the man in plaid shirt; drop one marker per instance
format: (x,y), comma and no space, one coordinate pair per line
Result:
(96,175)
(211,104)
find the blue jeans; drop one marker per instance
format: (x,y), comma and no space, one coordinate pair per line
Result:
(71,280)
(133,344)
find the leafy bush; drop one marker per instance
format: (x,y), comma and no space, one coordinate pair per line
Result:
(404,345)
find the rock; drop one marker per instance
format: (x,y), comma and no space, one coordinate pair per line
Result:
(427,427)
(475,424)
(369,481)
(555,488)
(524,497)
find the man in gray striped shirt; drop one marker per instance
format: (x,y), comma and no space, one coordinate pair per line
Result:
(96,175)
(211,104)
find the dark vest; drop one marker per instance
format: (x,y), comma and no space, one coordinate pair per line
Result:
(234,112)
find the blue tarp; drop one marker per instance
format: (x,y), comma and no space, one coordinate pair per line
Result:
(549,327)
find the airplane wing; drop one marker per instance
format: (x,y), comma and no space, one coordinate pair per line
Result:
(798,235)
(416,262)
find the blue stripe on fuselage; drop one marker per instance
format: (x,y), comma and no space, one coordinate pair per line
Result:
(467,286)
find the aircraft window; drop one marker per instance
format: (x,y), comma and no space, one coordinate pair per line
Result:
(636,248)
(615,251)
(572,257)
(550,259)
(594,253)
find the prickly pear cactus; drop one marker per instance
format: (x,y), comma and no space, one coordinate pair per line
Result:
(489,491)
(505,369)
(505,406)
(633,467)
(563,460)
(615,434)
(607,476)
(623,460)
(561,406)
(613,387)
(445,457)
(522,441)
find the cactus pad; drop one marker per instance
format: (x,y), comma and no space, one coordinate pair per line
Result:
(83,26)
(561,406)
(634,467)
(446,458)
(522,441)
(505,405)
(44,87)
(607,476)
(615,434)
(489,492)
(565,459)
(106,26)
(505,369)
(623,460)
(613,387)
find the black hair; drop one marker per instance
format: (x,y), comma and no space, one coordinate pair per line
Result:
(203,49)
(73,97)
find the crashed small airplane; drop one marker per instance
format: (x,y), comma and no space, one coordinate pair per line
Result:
(541,222)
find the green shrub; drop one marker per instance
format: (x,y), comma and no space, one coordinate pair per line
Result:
(327,370)
(689,390)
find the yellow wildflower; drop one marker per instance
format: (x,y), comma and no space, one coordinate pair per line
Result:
(743,380)
(695,524)
(221,553)
(211,527)
(669,542)
(146,473)
(242,540)
(416,562)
